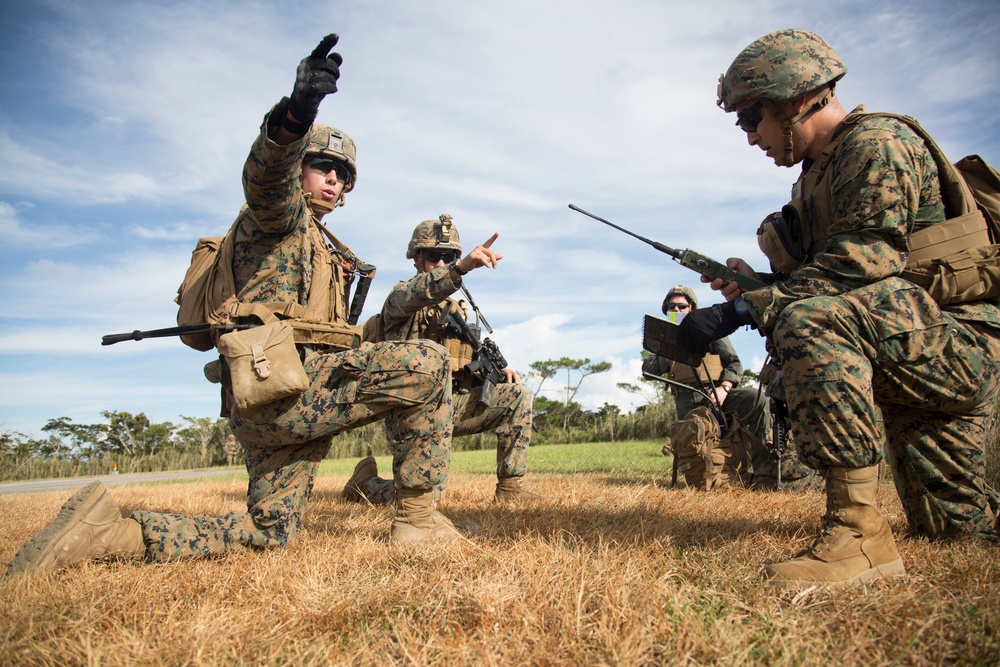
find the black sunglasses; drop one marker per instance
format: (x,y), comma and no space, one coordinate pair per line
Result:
(326,165)
(678,306)
(748,119)
(435,256)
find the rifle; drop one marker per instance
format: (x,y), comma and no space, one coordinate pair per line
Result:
(779,431)
(489,363)
(190,329)
(690,259)
(366,272)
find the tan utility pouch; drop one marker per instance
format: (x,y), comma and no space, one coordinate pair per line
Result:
(964,276)
(948,237)
(264,365)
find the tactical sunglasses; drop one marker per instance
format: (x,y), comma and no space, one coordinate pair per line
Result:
(748,119)
(678,306)
(435,256)
(326,165)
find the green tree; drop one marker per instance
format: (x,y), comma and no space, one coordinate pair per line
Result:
(205,435)
(546,369)
(125,433)
(83,439)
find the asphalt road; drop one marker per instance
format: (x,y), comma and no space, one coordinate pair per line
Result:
(42,485)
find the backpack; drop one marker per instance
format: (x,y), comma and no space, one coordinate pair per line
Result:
(201,279)
(958,261)
(984,182)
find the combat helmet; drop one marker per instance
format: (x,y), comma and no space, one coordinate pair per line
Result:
(336,144)
(680,290)
(437,234)
(780,67)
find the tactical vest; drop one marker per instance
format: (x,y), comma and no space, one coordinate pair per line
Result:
(208,293)
(429,323)
(953,260)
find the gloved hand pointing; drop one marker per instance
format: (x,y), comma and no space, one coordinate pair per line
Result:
(315,78)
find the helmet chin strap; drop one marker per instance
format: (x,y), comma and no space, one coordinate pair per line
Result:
(321,207)
(788,156)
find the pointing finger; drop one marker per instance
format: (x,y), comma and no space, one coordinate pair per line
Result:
(324,47)
(492,239)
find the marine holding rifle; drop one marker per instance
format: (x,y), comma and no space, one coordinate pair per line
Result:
(421,308)
(857,342)
(296,173)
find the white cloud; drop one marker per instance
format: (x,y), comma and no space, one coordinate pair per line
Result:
(126,126)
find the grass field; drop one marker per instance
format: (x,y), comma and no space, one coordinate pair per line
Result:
(613,567)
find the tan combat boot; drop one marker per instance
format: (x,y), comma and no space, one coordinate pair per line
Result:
(511,490)
(354,490)
(855,544)
(89,526)
(417,519)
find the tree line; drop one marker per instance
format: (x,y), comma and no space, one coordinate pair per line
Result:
(126,442)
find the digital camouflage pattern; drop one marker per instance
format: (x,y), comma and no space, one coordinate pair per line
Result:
(780,66)
(413,311)
(334,143)
(858,344)
(407,384)
(509,417)
(438,234)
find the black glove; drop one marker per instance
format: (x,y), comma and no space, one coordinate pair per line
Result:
(315,78)
(702,326)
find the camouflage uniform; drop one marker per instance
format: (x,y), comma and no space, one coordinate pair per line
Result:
(413,310)
(857,343)
(406,384)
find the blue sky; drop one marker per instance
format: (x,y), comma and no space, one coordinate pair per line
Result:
(124,126)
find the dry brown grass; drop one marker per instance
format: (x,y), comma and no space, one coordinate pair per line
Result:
(606,571)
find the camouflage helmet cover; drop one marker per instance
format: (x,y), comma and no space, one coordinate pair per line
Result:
(336,144)
(438,234)
(780,66)
(679,290)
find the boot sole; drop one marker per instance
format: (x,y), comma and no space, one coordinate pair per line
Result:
(878,573)
(69,514)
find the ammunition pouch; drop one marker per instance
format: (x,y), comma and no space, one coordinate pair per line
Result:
(461,353)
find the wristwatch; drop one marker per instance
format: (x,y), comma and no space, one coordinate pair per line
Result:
(457,268)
